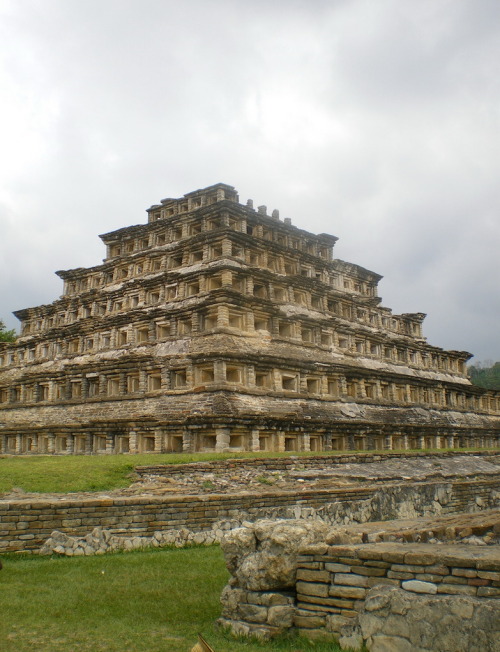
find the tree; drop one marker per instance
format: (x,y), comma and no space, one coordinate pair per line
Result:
(5,335)
(487,377)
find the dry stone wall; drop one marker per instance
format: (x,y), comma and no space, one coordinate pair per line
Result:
(315,462)
(398,621)
(389,596)
(334,584)
(26,524)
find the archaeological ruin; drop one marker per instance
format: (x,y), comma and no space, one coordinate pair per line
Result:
(217,326)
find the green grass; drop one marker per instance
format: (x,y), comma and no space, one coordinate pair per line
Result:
(150,600)
(64,474)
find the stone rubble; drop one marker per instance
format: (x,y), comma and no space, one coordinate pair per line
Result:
(101,541)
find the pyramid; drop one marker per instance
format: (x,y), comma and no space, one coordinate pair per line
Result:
(218,327)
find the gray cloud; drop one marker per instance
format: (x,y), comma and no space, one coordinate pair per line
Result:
(377,122)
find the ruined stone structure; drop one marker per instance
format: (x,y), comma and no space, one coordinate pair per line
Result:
(219,327)
(398,586)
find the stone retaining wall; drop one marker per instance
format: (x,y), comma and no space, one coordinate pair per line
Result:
(291,462)
(402,597)
(26,524)
(333,581)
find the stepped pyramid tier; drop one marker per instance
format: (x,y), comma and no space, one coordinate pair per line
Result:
(218,326)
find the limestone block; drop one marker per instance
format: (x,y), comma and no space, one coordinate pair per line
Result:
(311,621)
(457,589)
(281,616)
(313,576)
(311,588)
(350,579)
(337,568)
(347,592)
(253,613)
(384,643)
(416,586)
(351,637)
(369,571)
(488,592)
(334,622)
(264,556)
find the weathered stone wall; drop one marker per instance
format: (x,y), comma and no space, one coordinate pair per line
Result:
(291,462)
(395,620)
(26,524)
(403,597)
(333,582)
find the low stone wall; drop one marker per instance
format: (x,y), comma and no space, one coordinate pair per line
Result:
(99,541)
(291,462)
(333,583)
(26,524)
(403,597)
(394,620)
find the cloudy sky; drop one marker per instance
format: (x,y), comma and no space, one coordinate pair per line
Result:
(375,120)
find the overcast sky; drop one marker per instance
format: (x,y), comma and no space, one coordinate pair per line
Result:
(374,120)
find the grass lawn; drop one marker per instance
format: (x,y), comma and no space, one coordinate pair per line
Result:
(63,474)
(150,600)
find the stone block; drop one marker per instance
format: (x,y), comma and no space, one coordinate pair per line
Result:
(369,571)
(457,589)
(71,523)
(488,564)
(409,568)
(381,581)
(349,579)
(310,588)
(313,575)
(343,551)
(393,556)
(458,560)
(315,549)
(438,569)
(488,592)
(453,579)
(384,643)
(350,613)
(335,622)
(319,635)
(318,607)
(377,564)
(351,592)
(420,558)
(275,599)
(309,622)
(370,624)
(352,561)
(464,572)
(253,613)
(396,625)
(337,568)
(416,586)
(281,616)
(429,577)
(370,553)
(488,575)
(310,565)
